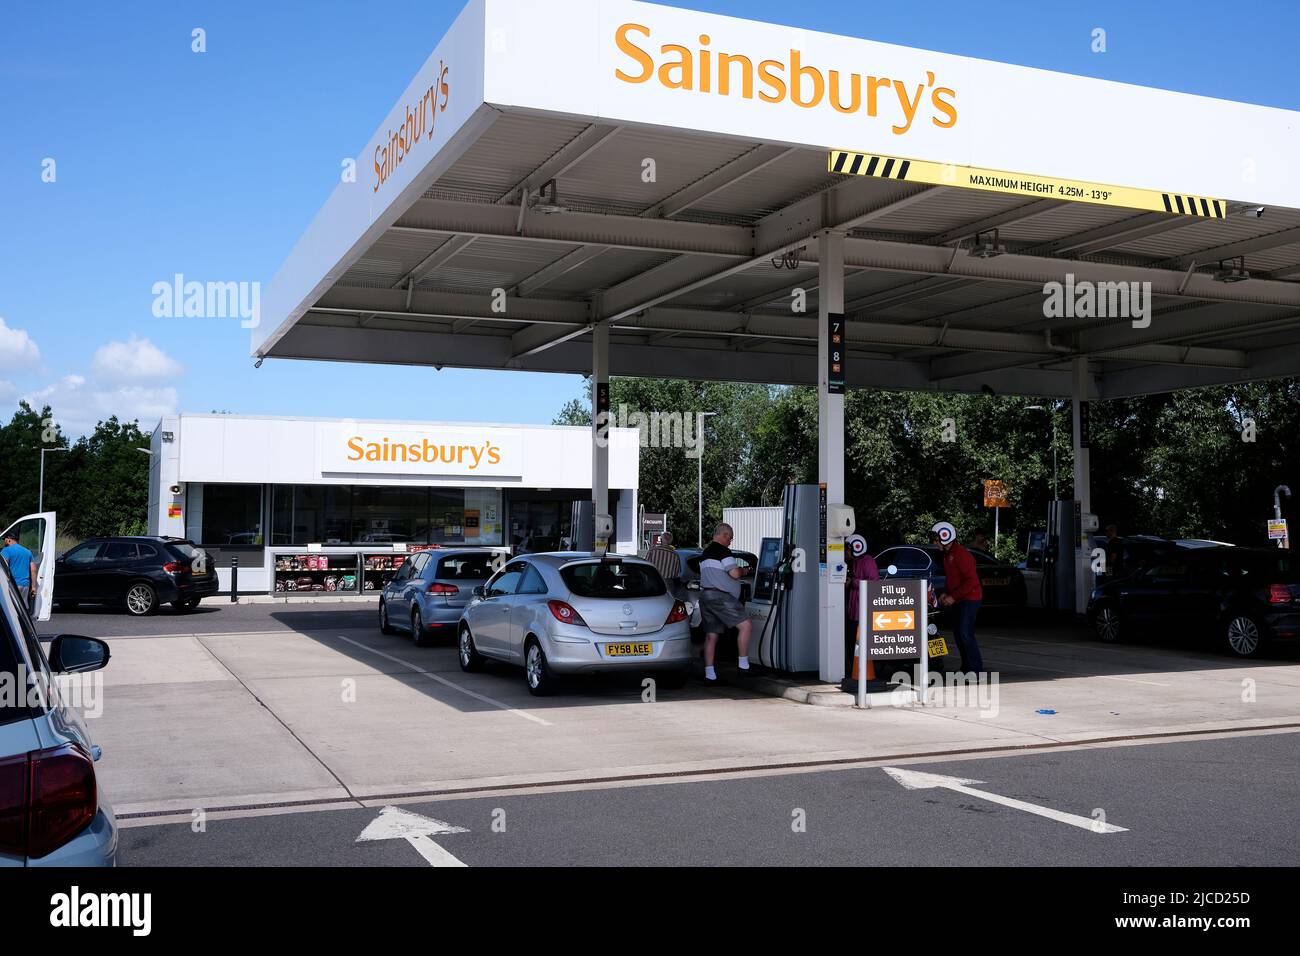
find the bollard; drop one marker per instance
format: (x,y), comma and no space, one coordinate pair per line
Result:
(234,579)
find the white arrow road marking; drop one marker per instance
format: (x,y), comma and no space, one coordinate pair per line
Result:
(394,823)
(919,780)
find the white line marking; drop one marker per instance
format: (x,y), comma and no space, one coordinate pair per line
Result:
(919,780)
(433,854)
(454,686)
(394,823)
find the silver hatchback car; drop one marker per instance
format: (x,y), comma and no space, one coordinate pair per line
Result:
(430,590)
(571,612)
(52,812)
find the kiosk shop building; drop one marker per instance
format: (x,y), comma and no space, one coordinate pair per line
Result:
(306,505)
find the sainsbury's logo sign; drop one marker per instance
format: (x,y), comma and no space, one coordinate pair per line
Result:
(420,121)
(693,64)
(440,451)
(423,451)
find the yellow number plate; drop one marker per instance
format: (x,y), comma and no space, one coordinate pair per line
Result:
(995,582)
(628,650)
(938,647)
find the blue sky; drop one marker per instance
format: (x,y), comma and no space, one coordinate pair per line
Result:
(212,165)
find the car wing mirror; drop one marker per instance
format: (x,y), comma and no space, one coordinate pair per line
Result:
(72,654)
(480,591)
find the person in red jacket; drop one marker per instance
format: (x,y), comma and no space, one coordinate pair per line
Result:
(962,592)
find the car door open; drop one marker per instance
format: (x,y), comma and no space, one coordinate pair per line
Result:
(36,533)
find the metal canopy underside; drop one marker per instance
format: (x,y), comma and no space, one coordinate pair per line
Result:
(681,270)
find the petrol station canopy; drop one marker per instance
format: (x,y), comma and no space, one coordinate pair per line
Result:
(665,173)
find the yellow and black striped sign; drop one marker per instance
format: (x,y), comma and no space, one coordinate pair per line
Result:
(852,163)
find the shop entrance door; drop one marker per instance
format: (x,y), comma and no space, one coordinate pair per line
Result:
(540,525)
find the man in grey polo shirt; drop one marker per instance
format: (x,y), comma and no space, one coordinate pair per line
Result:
(720,601)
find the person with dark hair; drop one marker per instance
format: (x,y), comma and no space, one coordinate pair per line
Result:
(1114,547)
(22,565)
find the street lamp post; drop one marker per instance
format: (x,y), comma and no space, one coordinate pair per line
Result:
(1040,408)
(699,430)
(40,492)
(1284,542)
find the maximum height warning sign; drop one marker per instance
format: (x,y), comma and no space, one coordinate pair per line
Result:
(894,618)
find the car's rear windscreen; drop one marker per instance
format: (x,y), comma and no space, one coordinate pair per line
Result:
(1281,568)
(609,579)
(466,567)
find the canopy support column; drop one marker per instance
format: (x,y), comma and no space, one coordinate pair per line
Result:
(1080,391)
(830,458)
(599,426)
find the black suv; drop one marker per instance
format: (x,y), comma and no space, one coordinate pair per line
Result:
(138,573)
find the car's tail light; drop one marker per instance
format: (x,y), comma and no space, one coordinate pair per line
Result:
(13,805)
(437,587)
(46,798)
(173,567)
(1279,594)
(678,613)
(565,613)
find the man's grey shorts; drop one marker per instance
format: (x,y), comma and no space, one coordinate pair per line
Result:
(720,611)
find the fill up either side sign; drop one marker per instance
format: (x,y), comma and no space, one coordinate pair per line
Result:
(894,619)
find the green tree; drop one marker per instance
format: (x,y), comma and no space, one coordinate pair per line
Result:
(112,496)
(21,441)
(98,486)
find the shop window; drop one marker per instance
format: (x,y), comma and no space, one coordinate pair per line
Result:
(232,515)
(312,513)
(383,515)
(387,515)
(540,525)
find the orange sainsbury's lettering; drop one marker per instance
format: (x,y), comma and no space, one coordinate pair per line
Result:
(794,79)
(426,451)
(419,121)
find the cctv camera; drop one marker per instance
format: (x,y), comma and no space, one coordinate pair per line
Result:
(1242,209)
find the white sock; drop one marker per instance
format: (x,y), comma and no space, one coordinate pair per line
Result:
(743,662)
(710,674)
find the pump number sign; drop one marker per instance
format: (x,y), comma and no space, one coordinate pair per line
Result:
(895,618)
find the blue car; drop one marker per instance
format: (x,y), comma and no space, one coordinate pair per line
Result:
(432,588)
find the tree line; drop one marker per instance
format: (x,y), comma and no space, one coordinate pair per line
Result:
(98,485)
(1195,463)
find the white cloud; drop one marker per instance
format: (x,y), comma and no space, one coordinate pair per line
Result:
(127,379)
(16,346)
(78,404)
(133,363)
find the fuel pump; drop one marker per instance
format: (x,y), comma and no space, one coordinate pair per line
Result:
(788,640)
(1067,557)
